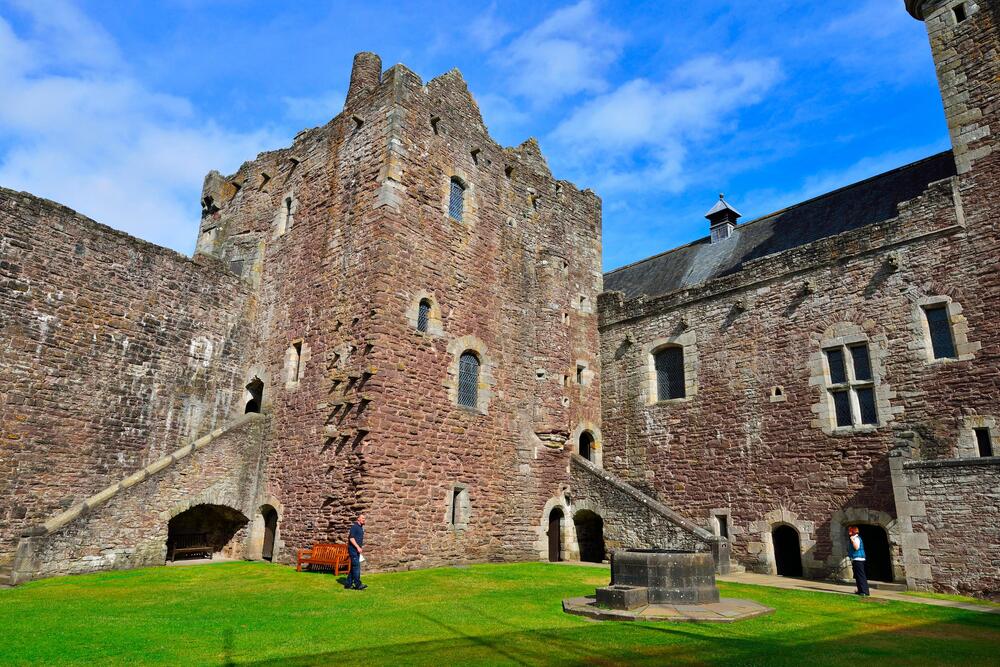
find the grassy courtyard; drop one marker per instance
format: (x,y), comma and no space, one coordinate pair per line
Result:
(253,613)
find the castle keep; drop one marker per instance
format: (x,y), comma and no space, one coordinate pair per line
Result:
(395,315)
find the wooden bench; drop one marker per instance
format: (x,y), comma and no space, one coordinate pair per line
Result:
(331,555)
(196,543)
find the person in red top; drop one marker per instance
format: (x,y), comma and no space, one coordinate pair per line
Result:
(856,550)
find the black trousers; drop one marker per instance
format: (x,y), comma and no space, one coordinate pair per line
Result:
(860,575)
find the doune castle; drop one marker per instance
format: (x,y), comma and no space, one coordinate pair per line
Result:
(399,316)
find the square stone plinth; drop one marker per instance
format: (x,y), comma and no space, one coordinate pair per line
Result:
(623,597)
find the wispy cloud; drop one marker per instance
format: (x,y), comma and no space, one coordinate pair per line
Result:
(569,52)
(79,128)
(314,110)
(639,134)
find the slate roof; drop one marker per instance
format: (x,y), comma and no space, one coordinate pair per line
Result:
(863,203)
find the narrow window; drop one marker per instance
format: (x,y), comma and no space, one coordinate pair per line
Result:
(456,503)
(468,380)
(942,342)
(435,121)
(288,212)
(579,373)
(835,359)
(458,515)
(842,406)
(723,525)
(866,405)
(984,442)
(959,12)
(862,363)
(456,200)
(669,364)
(296,361)
(255,390)
(423,315)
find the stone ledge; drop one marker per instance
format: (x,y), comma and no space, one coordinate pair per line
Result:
(727,610)
(953,463)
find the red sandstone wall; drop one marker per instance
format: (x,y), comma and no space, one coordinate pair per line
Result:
(112,352)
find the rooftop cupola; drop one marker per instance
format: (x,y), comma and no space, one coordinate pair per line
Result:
(722,218)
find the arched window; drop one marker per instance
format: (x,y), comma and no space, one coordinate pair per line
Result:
(669,364)
(586,445)
(456,199)
(423,315)
(468,380)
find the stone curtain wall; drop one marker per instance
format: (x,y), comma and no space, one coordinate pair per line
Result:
(112,352)
(130,530)
(952,508)
(371,424)
(632,520)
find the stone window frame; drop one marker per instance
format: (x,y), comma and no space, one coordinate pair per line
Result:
(846,335)
(458,347)
(688,343)
(967,446)
(839,562)
(470,210)
(716,527)
(965,350)
(586,375)
(284,219)
(596,451)
(435,326)
(464,509)
(290,365)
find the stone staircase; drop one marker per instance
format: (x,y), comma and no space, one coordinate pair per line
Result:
(5,576)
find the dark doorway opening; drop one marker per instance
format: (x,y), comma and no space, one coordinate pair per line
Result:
(590,536)
(555,535)
(202,531)
(787,555)
(270,528)
(878,554)
(587,445)
(256,391)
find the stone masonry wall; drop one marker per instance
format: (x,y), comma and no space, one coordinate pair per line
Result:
(130,530)
(112,352)
(953,508)
(369,421)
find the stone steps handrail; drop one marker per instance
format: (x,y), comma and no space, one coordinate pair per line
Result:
(655,505)
(63,518)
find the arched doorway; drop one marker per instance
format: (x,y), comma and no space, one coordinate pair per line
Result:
(878,555)
(270,529)
(202,531)
(586,445)
(787,555)
(590,536)
(256,391)
(555,534)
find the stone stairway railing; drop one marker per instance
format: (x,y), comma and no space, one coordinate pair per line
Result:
(624,504)
(63,518)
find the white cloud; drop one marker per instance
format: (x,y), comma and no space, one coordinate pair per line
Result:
(78,128)
(570,52)
(638,135)
(314,110)
(488,29)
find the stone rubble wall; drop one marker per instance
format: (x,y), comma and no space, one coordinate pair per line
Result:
(126,525)
(113,352)
(952,511)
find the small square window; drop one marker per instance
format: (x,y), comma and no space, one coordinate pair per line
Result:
(959,12)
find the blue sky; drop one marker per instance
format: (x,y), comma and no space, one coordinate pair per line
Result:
(118,109)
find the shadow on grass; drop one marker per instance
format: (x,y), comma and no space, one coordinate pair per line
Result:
(613,643)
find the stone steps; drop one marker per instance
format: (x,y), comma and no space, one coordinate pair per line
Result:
(5,573)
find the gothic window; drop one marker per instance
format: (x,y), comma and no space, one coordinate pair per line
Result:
(669,365)
(423,315)
(456,199)
(939,327)
(851,386)
(468,379)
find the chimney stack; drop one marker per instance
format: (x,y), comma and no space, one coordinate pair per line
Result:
(365,76)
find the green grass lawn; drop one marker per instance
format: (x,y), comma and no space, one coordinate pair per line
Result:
(254,613)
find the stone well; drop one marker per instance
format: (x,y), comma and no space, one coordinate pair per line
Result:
(669,576)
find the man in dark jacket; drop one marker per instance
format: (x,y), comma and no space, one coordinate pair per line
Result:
(355,540)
